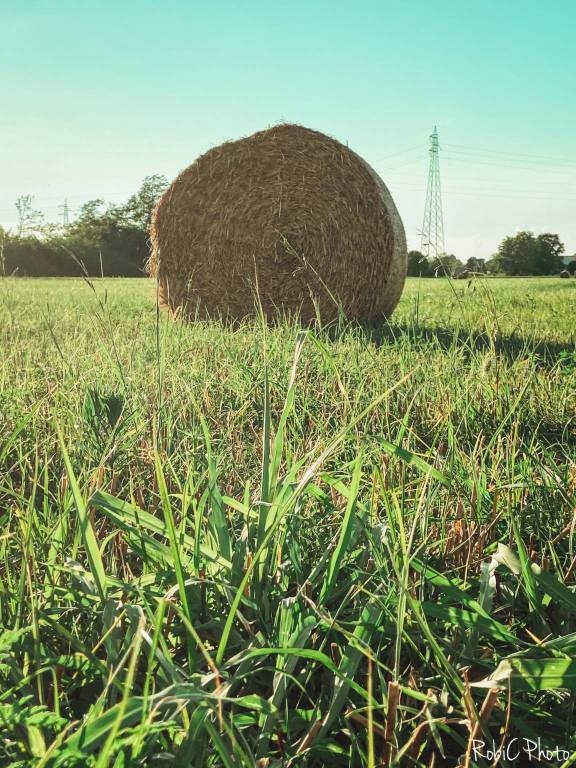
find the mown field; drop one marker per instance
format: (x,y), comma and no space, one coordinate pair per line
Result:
(269,546)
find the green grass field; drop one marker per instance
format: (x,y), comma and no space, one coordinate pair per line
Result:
(265,546)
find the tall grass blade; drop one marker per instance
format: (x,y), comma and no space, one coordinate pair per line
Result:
(86,530)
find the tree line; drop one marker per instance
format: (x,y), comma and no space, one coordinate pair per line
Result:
(521,254)
(103,239)
(112,240)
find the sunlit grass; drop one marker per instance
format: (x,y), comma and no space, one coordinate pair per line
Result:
(313,547)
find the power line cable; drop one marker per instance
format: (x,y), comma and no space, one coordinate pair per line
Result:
(547,158)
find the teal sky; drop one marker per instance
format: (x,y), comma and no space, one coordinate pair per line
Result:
(96,95)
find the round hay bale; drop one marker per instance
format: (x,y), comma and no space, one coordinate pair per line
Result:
(564,273)
(288,215)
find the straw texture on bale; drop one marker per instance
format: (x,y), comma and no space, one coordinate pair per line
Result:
(564,273)
(287,215)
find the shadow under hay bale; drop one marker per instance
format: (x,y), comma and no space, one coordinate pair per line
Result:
(287,215)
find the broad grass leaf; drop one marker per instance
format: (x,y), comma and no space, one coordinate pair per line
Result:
(526,674)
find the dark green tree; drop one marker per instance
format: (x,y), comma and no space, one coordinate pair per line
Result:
(418,265)
(517,254)
(114,239)
(138,210)
(525,254)
(475,265)
(549,254)
(445,265)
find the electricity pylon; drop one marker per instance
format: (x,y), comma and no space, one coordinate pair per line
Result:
(432,244)
(65,213)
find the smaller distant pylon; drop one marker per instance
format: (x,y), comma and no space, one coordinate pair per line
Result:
(65,214)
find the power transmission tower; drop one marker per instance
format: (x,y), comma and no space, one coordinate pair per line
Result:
(65,213)
(432,244)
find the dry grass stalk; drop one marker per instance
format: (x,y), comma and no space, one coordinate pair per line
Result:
(394,692)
